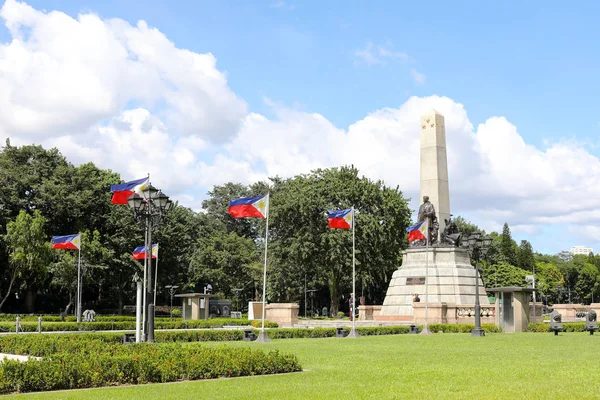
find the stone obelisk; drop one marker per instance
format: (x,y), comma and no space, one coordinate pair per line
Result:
(446,269)
(434,165)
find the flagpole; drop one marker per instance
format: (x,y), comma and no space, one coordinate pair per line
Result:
(145,283)
(79,282)
(353,333)
(156,273)
(262,337)
(425,326)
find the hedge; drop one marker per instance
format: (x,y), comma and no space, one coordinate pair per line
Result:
(83,361)
(30,326)
(567,327)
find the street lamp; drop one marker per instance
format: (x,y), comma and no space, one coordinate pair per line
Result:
(149,208)
(478,248)
(171,289)
(312,300)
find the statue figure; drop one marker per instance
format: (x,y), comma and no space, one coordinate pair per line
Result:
(63,314)
(451,235)
(427,211)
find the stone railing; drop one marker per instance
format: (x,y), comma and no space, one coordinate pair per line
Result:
(368,313)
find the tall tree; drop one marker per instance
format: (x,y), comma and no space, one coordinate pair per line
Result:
(29,252)
(508,247)
(526,259)
(306,244)
(465,227)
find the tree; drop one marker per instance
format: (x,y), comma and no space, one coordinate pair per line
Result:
(525,256)
(466,228)
(305,244)
(502,274)
(548,279)
(508,247)
(226,261)
(28,250)
(588,282)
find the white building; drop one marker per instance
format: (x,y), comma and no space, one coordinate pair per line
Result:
(581,250)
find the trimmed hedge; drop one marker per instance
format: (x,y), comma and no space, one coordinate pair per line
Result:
(83,362)
(567,326)
(163,323)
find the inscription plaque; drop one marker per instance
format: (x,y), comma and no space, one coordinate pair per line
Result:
(415,280)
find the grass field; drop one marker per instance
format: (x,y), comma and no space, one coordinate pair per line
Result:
(441,366)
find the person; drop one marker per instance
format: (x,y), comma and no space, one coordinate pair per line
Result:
(416,298)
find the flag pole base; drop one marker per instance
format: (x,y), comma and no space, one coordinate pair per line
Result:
(263,337)
(353,333)
(425,330)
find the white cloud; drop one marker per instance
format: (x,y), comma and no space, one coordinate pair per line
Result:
(378,54)
(62,75)
(71,83)
(417,76)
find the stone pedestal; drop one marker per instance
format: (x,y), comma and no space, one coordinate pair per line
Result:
(451,281)
(284,314)
(368,313)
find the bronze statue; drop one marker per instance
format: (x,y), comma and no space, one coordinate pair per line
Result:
(427,211)
(451,235)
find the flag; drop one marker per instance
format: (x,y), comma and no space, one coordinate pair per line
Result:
(257,206)
(67,242)
(123,191)
(341,219)
(417,231)
(139,253)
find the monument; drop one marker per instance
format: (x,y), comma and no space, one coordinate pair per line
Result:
(445,267)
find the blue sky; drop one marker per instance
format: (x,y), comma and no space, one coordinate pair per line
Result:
(535,64)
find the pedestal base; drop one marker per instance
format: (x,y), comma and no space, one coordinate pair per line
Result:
(263,337)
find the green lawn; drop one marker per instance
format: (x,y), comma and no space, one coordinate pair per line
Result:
(441,366)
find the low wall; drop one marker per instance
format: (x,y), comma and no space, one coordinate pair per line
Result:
(368,313)
(575,312)
(284,314)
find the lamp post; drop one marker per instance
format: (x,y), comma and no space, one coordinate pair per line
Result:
(312,300)
(149,209)
(171,289)
(478,248)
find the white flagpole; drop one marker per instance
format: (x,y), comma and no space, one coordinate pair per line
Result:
(353,333)
(425,326)
(79,282)
(145,283)
(262,337)
(156,272)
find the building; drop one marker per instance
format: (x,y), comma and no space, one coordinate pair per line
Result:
(581,250)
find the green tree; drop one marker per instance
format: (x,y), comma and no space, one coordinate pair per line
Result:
(525,256)
(305,244)
(588,282)
(465,227)
(28,251)
(502,274)
(226,261)
(548,279)
(508,247)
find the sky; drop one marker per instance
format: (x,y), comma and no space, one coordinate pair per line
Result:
(200,93)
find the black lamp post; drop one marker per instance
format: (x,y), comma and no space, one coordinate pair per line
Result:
(171,289)
(478,248)
(149,209)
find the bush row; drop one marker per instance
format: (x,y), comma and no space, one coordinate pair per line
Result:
(567,327)
(30,326)
(94,363)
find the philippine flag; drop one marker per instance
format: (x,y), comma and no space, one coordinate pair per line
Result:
(341,219)
(257,207)
(123,191)
(67,242)
(139,253)
(417,231)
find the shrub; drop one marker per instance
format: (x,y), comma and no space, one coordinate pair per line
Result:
(82,361)
(341,314)
(567,326)
(176,312)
